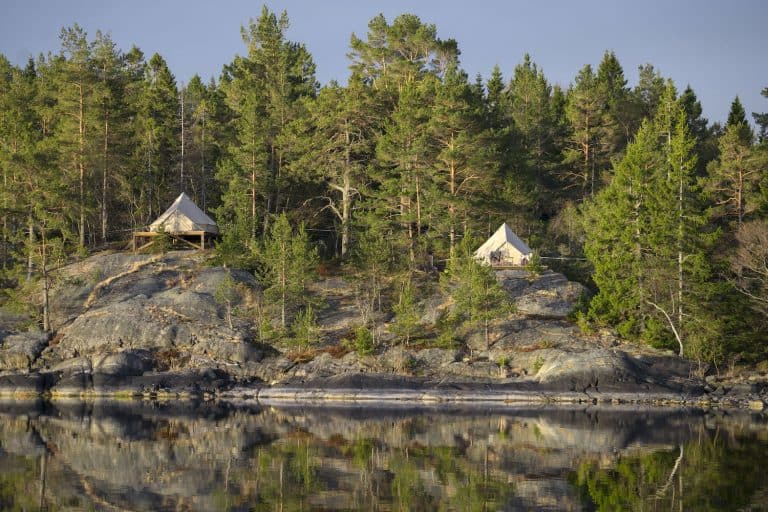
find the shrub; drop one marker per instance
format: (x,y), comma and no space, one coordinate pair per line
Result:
(363,342)
(305,329)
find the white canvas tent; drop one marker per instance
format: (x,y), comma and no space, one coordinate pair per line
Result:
(184,216)
(183,221)
(504,247)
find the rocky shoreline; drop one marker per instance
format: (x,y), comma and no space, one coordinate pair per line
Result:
(216,386)
(150,327)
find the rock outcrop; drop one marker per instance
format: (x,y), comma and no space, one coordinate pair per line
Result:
(143,324)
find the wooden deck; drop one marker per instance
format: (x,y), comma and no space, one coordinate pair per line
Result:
(144,239)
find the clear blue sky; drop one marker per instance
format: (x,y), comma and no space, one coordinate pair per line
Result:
(717,47)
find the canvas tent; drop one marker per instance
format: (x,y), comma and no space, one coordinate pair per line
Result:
(504,247)
(184,221)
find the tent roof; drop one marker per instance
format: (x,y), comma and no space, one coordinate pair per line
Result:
(504,235)
(184,215)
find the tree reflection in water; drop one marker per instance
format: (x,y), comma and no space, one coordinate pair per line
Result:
(151,456)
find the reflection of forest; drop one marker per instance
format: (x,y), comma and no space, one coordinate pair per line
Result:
(144,456)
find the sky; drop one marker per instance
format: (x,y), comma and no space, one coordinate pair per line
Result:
(716,47)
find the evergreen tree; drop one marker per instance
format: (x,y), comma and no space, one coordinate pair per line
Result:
(610,77)
(115,133)
(157,145)
(398,54)
(762,120)
(477,295)
(531,116)
(644,238)
(289,263)
(262,91)
(73,80)
(402,156)
(592,128)
(733,179)
(339,140)
(738,117)
(464,158)
(406,312)
(647,92)
(204,111)
(706,143)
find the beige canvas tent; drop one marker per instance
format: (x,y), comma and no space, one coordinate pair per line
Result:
(183,221)
(504,247)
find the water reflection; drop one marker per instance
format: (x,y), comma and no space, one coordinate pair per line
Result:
(182,456)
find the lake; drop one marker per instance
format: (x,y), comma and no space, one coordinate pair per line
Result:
(217,456)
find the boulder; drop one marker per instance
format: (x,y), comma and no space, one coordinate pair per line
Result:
(549,294)
(30,383)
(19,351)
(125,363)
(436,358)
(593,370)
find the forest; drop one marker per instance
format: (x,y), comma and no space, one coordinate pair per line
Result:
(400,171)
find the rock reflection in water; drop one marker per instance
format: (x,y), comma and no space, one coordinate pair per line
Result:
(154,456)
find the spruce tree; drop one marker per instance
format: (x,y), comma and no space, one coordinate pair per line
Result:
(645,240)
(738,117)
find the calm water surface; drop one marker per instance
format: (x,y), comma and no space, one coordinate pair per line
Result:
(149,456)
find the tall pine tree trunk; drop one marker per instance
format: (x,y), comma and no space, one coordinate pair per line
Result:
(81,164)
(452,206)
(104,180)
(680,257)
(30,250)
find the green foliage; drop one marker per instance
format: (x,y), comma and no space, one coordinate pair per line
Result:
(305,329)
(477,295)
(406,312)
(227,295)
(363,342)
(534,265)
(390,170)
(289,262)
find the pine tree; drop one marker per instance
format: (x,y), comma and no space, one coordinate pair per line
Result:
(114,131)
(402,155)
(464,161)
(399,54)
(478,297)
(289,263)
(339,143)
(592,126)
(73,77)
(734,178)
(263,91)
(647,92)
(610,77)
(406,312)
(156,154)
(531,116)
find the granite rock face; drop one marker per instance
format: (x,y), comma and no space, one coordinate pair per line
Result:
(549,294)
(141,324)
(19,351)
(148,314)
